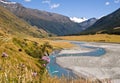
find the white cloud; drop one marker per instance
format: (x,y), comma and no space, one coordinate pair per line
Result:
(27,0)
(117,1)
(46,1)
(54,6)
(50,4)
(5,2)
(107,3)
(78,20)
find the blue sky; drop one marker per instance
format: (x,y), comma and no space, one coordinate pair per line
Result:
(74,8)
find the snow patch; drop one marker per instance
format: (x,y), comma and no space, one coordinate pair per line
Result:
(77,19)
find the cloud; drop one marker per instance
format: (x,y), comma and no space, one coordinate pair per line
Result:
(50,4)
(107,3)
(116,1)
(27,0)
(46,1)
(77,20)
(54,6)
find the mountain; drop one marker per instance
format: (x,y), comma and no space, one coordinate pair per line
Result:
(108,24)
(12,25)
(50,22)
(87,23)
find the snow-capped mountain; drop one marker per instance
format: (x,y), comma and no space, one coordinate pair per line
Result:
(50,22)
(108,24)
(88,23)
(77,19)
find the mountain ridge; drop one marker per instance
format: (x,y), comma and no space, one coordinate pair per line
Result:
(10,24)
(50,22)
(108,24)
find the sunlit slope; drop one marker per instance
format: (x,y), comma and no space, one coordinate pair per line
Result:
(11,24)
(94,38)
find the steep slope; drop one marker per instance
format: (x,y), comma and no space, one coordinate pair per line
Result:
(15,64)
(50,22)
(109,24)
(87,23)
(11,24)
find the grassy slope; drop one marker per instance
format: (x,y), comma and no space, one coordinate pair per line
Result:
(11,24)
(16,34)
(18,66)
(11,66)
(94,38)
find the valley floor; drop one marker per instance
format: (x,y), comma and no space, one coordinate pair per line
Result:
(93,38)
(106,66)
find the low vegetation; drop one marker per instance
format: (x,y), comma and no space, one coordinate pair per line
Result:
(94,38)
(21,59)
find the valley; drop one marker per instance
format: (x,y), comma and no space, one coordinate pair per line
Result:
(40,46)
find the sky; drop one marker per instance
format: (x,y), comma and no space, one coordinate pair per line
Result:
(74,8)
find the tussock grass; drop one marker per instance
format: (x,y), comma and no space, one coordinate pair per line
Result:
(55,44)
(94,38)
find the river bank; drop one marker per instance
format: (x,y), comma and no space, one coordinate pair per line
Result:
(102,67)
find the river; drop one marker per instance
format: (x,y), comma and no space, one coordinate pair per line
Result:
(56,70)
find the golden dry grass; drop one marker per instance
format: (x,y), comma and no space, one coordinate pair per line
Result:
(10,67)
(94,38)
(55,44)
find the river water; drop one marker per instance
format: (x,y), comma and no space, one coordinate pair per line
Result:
(56,70)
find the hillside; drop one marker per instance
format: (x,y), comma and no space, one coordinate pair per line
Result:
(86,24)
(11,24)
(21,51)
(108,24)
(50,22)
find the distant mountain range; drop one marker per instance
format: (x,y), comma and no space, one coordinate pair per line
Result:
(50,22)
(108,24)
(62,25)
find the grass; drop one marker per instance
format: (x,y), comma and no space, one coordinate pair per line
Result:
(19,65)
(55,44)
(94,38)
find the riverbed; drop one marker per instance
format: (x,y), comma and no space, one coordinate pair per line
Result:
(88,60)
